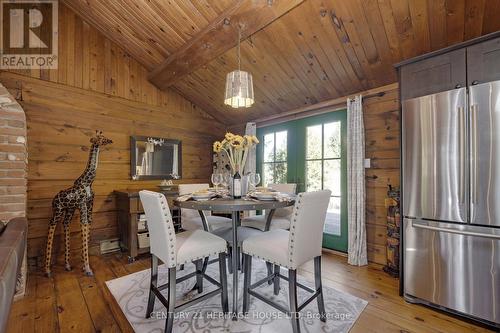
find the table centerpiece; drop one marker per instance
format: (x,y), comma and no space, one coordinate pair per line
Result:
(236,148)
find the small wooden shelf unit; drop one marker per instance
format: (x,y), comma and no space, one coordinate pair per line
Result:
(129,210)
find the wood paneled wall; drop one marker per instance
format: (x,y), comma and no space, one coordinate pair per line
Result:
(90,61)
(381,118)
(98,86)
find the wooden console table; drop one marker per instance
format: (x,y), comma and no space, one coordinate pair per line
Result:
(129,210)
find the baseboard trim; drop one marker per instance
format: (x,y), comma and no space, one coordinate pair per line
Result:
(344,255)
(338,253)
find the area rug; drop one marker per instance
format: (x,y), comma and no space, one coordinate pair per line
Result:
(131,293)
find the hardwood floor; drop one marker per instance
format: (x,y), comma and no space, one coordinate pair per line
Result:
(71,302)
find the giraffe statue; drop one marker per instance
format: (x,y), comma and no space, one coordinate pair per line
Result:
(80,196)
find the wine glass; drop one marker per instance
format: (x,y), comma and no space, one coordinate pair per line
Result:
(216,180)
(225,179)
(254,179)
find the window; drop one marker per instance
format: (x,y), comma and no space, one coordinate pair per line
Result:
(323,168)
(274,165)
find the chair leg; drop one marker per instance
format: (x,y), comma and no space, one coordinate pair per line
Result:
(172,272)
(223,282)
(154,278)
(240,267)
(292,292)
(276,279)
(230,259)
(199,276)
(247,281)
(319,286)
(205,265)
(269,271)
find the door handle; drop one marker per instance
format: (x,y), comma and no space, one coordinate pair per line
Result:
(473,152)
(418,225)
(462,154)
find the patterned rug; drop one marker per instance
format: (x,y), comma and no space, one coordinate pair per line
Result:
(131,293)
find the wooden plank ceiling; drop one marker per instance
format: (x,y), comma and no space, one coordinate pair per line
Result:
(319,50)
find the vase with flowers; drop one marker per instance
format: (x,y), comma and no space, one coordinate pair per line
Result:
(236,148)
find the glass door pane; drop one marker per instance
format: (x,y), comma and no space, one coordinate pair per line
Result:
(275,155)
(333,222)
(311,153)
(325,167)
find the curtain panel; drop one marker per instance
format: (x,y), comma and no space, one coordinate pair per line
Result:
(356,183)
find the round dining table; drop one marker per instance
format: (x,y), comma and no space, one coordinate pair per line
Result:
(235,206)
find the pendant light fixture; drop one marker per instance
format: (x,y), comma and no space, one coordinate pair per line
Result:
(239,85)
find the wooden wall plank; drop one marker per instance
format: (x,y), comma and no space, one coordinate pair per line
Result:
(381,118)
(116,98)
(61,119)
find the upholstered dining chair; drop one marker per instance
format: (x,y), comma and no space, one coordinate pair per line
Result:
(191,219)
(174,250)
(280,218)
(290,249)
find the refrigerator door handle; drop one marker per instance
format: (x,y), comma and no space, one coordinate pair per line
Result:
(473,160)
(463,161)
(425,225)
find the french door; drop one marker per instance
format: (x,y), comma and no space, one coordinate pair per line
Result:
(310,152)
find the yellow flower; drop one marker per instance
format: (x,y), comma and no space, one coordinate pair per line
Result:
(254,139)
(248,140)
(217,146)
(237,142)
(229,136)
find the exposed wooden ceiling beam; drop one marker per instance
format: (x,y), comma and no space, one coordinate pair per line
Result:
(219,36)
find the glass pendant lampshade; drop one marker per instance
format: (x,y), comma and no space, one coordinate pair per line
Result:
(239,85)
(239,89)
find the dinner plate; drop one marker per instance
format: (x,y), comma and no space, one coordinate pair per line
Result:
(264,196)
(203,197)
(262,189)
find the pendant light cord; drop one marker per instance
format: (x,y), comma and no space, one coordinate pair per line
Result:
(239,54)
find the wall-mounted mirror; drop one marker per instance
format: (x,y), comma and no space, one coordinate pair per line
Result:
(155,158)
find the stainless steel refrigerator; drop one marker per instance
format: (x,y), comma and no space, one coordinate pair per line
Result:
(451,200)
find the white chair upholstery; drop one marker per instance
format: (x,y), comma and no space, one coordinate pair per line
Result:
(170,248)
(259,222)
(190,218)
(290,249)
(243,233)
(304,240)
(174,250)
(281,217)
